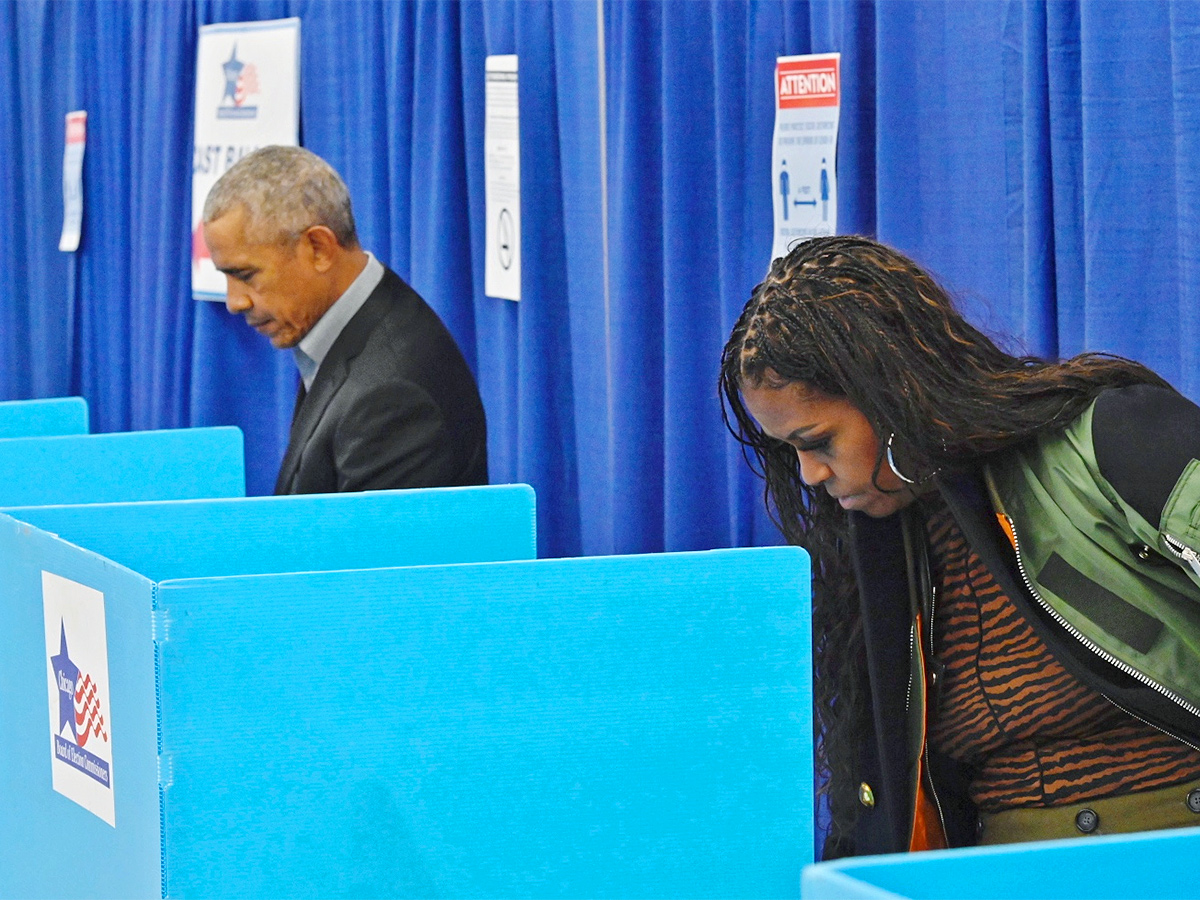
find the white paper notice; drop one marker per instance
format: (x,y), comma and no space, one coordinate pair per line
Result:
(502,177)
(73,181)
(804,161)
(81,757)
(247,96)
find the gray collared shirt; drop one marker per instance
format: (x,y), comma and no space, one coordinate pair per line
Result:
(314,346)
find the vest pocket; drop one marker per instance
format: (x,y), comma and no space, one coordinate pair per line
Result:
(1118,617)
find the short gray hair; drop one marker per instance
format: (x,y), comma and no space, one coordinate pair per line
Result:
(285,191)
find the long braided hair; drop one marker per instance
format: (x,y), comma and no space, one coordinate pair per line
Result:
(856,319)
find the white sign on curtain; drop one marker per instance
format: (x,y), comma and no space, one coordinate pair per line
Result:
(808,92)
(247,96)
(73,181)
(502,180)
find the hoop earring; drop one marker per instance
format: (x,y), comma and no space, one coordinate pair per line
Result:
(891,461)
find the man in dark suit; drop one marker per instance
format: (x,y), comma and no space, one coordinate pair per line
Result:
(387,400)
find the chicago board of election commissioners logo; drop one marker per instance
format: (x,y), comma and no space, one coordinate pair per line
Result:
(80,720)
(241,82)
(81,756)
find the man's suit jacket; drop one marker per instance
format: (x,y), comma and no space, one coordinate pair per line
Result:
(393,405)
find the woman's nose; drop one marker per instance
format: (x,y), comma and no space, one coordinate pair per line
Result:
(812,472)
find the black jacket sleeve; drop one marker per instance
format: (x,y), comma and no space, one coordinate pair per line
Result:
(1144,436)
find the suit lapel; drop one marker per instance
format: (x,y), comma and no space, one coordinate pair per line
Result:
(308,413)
(330,377)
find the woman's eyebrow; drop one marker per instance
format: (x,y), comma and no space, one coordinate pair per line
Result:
(800,432)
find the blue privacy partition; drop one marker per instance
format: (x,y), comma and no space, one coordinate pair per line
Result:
(1154,864)
(612,727)
(50,845)
(132,546)
(177,464)
(313,532)
(38,418)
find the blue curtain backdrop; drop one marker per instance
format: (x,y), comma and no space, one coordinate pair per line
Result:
(1041,157)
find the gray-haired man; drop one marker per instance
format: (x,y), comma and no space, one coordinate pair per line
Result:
(387,399)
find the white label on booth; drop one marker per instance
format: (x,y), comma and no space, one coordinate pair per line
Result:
(81,759)
(808,96)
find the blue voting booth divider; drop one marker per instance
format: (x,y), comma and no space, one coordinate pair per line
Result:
(316,532)
(1154,864)
(177,464)
(132,546)
(621,726)
(39,418)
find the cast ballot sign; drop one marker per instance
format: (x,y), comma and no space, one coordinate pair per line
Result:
(247,96)
(804,158)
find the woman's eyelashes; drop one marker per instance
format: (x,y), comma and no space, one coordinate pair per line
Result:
(817,445)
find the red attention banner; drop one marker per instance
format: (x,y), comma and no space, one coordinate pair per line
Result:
(807,82)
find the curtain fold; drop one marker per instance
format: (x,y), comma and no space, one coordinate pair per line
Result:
(1184,32)
(38,313)
(1129,226)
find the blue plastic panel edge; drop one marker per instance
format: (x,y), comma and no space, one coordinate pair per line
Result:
(315,532)
(601,727)
(36,418)
(178,464)
(1150,865)
(49,845)
(821,882)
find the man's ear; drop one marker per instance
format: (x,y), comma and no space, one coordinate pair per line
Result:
(321,243)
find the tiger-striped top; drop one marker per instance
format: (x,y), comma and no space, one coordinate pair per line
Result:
(1032,734)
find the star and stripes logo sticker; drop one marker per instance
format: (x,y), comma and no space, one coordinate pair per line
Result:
(241,83)
(81,739)
(79,709)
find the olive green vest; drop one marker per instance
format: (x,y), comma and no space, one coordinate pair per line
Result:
(1128,589)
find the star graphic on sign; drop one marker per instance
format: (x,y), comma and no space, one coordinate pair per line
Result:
(233,70)
(65,670)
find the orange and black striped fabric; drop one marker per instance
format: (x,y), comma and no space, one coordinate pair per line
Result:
(1032,733)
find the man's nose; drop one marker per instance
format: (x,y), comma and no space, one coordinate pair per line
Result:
(812,472)
(237,298)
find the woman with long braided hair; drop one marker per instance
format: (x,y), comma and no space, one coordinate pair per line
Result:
(1006,590)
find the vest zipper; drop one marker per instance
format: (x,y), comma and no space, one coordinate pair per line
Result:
(1183,551)
(1099,651)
